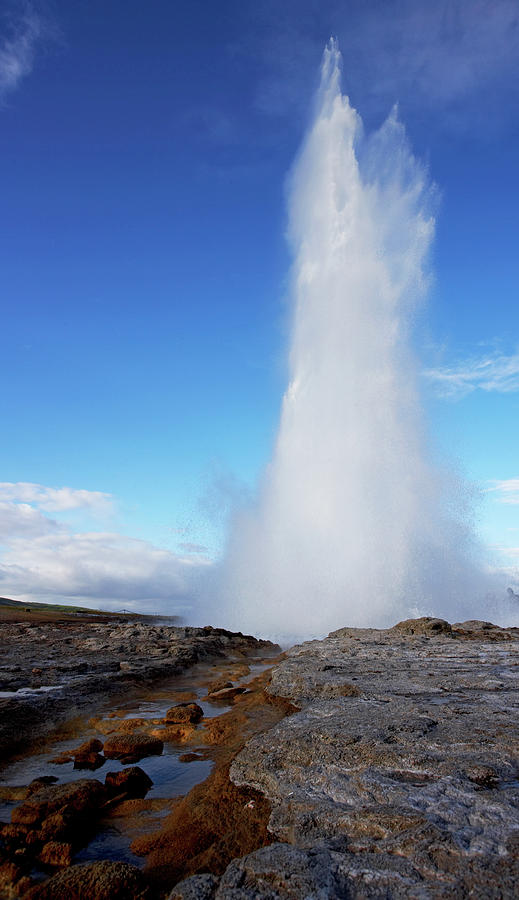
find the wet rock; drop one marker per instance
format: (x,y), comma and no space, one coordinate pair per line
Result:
(83,663)
(77,798)
(190,757)
(184,713)
(92,762)
(56,853)
(10,878)
(226,695)
(132,746)
(88,748)
(133,781)
(42,781)
(56,827)
(14,835)
(94,881)
(218,685)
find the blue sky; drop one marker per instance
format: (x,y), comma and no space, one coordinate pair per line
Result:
(144,151)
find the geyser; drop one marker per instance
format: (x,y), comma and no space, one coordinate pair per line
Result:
(351,525)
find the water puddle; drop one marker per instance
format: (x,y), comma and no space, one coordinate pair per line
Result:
(171,776)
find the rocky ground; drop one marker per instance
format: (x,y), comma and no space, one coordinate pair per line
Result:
(397,777)
(372,764)
(52,672)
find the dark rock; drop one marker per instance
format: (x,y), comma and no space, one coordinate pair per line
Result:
(198,887)
(184,714)
(43,780)
(92,762)
(76,798)
(88,748)
(189,757)
(133,782)
(56,853)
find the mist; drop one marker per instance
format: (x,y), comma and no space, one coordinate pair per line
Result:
(354,524)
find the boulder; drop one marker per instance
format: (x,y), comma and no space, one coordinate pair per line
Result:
(184,713)
(198,887)
(77,798)
(56,853)
(88,748)
(132,747)
(226,695)
(426,625)
(37,783)
(133,782)
(104,880)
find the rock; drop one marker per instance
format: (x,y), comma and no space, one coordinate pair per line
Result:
(425,625)
(57,826)
(56,853)
(91,762)
(14,835)
(76,798)
(184,713)
(406,786)
(132,746)
(40,782)
(133,782)
(189,757)
(86,662)
(226,695)
(198,887)
(88,748)
(218,685)
(94,881)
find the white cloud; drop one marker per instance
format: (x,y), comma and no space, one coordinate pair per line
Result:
(44,559)
(53,499)
(100,567)
(22,519)
(495,371)
(18,48)
(507,491)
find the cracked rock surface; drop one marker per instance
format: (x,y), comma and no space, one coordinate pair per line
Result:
(397,777)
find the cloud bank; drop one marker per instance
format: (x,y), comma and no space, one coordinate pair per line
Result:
(42,558)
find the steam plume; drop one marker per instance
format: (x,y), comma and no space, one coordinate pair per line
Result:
(351,526)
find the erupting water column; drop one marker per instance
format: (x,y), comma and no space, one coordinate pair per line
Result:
(349,527)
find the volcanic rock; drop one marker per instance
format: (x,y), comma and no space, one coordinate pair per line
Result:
(184,713)
(226,695)
(56,853)
(78,798)
(132,746)
(198,887)
(405,786)
(78,665)
(133,781)
(42,781)
(94,881)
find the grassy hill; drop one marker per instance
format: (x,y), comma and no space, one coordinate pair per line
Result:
(16,611)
